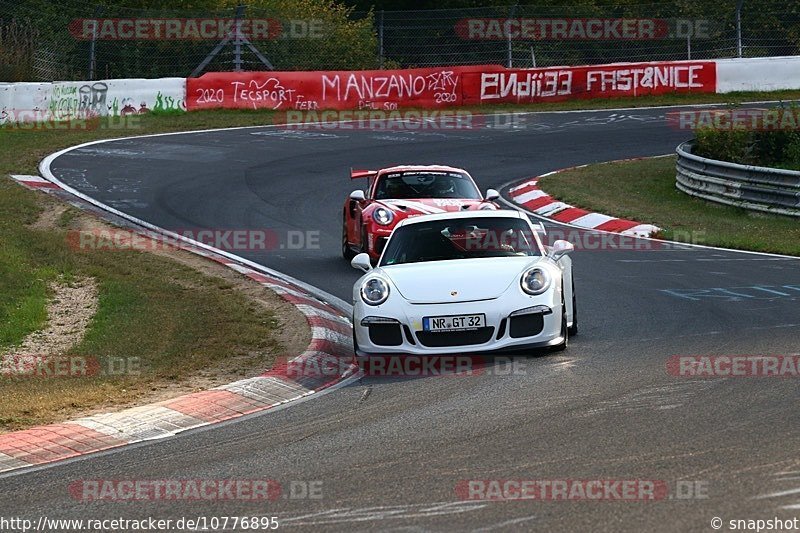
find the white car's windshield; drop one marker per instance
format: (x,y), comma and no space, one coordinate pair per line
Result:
(426,184)
(461,238)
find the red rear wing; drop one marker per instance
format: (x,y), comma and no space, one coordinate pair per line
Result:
(355,174)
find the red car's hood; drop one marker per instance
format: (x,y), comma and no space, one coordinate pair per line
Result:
(428,206)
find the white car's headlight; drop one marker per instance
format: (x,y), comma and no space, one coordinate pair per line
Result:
(374,291)
(487,207)
(535,281)
(383,216)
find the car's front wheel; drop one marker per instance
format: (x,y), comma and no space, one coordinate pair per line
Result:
(364,240)
(573,329)
(347,252)
(564,330)
(355,340)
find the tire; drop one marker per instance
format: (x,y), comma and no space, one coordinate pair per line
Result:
(355,341)
(347,252)
(564,331)
(573,329)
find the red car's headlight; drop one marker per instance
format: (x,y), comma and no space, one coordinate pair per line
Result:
(383,216)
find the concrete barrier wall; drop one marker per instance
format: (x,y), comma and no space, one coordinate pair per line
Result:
(33,102)
(617,80)
(442,87)
(350,89)
(758,74)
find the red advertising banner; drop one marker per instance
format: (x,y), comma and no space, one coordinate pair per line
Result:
(361,89)
(601,81)
(443,87)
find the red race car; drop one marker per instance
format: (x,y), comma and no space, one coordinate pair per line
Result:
(399,192)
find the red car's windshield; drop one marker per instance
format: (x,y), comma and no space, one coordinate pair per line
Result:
(426,184)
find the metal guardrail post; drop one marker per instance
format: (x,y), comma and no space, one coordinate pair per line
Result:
(380,39)
(509,58)
(237,39)
(739,5)
(93,44)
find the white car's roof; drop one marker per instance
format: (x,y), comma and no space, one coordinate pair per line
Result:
(498,213)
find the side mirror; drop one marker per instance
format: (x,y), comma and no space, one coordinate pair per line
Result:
(362,262)
(491,194)
(357,195)
(560,249)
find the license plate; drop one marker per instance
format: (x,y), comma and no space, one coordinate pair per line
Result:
(453,322)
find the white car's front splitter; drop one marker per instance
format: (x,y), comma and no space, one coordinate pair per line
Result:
(511,324)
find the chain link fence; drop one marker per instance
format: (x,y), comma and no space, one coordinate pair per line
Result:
(44,41)
(74,40)
(531,36)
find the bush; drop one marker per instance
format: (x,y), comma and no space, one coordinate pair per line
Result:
(779,147)
(735,146)
(345,43)
(17,45)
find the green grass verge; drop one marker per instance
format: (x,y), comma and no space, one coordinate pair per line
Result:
(644,190)
(174,320)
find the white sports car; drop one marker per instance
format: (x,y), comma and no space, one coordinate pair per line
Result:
(472,281)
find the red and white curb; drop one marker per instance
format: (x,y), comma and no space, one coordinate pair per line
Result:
(34,182)
(528,195)
(331,346)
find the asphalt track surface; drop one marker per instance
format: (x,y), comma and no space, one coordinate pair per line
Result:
(389,453)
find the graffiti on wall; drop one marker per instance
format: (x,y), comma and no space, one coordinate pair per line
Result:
(367,89)
(602,81)
(79,101)
(165,102)
(66,101)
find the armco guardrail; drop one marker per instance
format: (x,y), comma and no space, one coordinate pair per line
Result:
(765,189)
